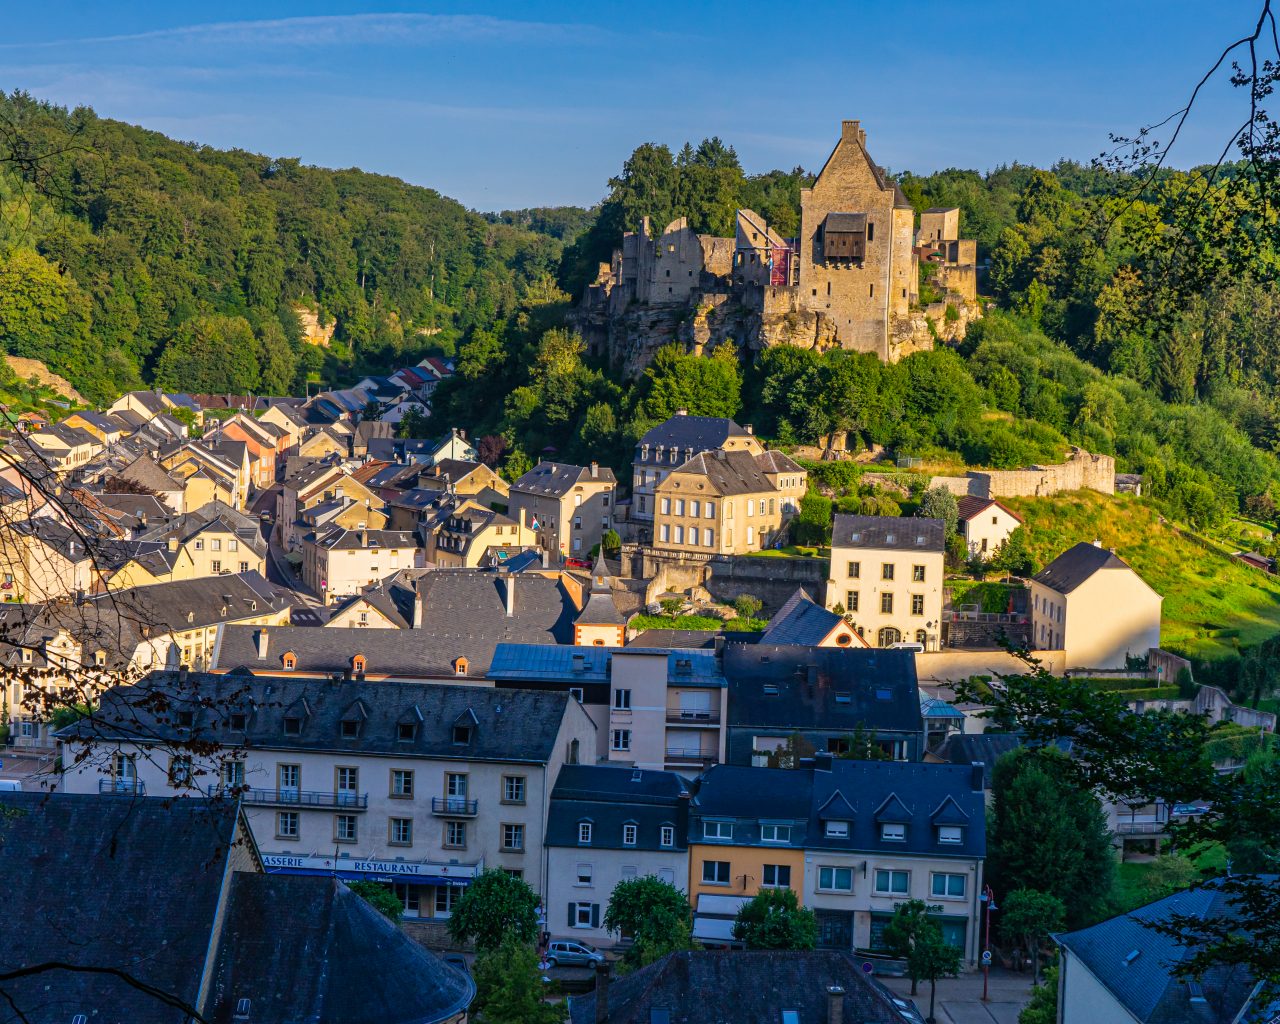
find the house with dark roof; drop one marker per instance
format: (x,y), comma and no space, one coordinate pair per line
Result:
(1122,969)
(824,695)
(766,986)
(804,622)
(985,523)
(571,505)
(606,825)
(1090,604)
(727,502)
(851,838)
(425,785)
(887,578)
(217,540)
(453,445)
(174,895)
(670,444)
(338,562)
(44,558)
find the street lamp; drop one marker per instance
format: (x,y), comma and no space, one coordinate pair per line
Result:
(989,898)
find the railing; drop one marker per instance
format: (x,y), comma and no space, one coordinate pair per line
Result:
(132,787)
(1132,828)
(692,754)
(296,797)
(454,806)
(678,716)
(1016,618)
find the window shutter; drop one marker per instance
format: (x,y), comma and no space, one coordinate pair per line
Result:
(595,915)
(572,922)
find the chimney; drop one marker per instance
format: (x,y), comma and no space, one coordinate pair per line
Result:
(262,645)
(682,412)
(602,994)
(835,1004)
(1097,543)
(173,543)
(750,428)
(509,594)
(822,761)
(977,773)
(595,469)
(364,538)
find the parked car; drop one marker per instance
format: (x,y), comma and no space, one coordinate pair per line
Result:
(10,785)
(908,645)
(566,953)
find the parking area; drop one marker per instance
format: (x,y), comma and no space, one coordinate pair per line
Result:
(960,999)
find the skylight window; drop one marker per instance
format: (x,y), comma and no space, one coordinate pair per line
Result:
(842,697)
(884,693)
(770,690)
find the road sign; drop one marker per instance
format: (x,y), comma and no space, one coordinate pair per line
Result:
(986,958)
(868,967)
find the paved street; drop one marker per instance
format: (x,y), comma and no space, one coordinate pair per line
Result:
(33,769)
(960,999)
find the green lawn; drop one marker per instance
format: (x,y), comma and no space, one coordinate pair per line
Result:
(1213,604)
(1133,887)
(707,622)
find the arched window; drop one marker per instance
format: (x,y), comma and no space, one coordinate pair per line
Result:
(460,666)
(358,663)
(889,636)
(920,636)
(290,661)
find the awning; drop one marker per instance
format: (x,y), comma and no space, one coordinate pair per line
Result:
(713,929)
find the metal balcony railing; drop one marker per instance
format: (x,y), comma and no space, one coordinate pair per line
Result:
(131,787)
(692,754)
(454,806)
(684,716)
(297,797)
(1140,828)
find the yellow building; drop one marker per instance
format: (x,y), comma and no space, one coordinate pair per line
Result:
(725,869)
(469,536)
(727,502)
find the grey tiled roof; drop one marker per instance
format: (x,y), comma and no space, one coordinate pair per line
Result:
(284,937)
(747,986)
(730,473)
(508,725)
(822,687)
(139,878)
(889,532)
(1077,564)
(557,478)
(1144,984)
(800,621)
(701,433)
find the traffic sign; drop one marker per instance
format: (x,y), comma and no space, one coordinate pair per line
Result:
(986,957)
(868,967)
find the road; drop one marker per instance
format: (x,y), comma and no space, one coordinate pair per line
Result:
(960,999)
(308,610)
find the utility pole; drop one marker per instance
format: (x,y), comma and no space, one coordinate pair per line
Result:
(989,898)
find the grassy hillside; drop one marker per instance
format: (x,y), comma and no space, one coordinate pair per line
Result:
(1212,603)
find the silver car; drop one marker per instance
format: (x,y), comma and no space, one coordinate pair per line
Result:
(567,953)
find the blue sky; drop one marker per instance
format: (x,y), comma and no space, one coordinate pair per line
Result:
(508,105)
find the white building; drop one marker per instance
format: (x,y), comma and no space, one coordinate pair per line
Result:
(418,784)
(985,524)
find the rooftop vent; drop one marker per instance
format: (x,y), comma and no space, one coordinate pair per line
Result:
(1132,956)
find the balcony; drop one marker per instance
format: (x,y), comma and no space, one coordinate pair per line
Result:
(454,806)
(1140,828)
(686,716)
(691,755)
(297,797)
(125,787)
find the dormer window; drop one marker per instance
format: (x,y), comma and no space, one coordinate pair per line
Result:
(837,830)
(893,832)
(290,661)
(191,616)
(462,734)
(950,834)
(238,721)
(358,664)
(405,732)
(350,728)
(293,726)
(584,833)
(460,666)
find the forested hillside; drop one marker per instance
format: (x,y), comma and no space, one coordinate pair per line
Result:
(127,258)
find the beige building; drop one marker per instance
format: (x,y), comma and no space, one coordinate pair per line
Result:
(42,559)
(985,524)
(214,540)
(670,444)
(317,484)
(727,502)
(887,578)
(1089,604)
(568,507)
(857,266)
(339,563)
(467,535)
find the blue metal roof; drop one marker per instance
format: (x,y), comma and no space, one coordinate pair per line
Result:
(565,664)
(933,707)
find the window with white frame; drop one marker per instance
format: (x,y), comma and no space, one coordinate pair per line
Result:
(401,832)
(835,879)
(584,915)
(775,833)
(621,739)
(667,836)
(287,825)
(776,876)
(717,830)
(715,872)
(584,833)
(621,700)
(893,832)
(630,832)
(837,830)
(344,828)
(890,882)
(584,875)
(950,834)
(513,837)
(947,886)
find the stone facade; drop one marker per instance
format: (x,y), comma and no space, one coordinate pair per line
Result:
(849,280)
(1081,471)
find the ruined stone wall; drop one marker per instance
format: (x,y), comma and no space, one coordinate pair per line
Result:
(1081,471)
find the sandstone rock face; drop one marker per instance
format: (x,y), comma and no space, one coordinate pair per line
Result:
(26,368)
(312,332)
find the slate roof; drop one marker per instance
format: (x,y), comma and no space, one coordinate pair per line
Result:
(985,748)
(544,662)
(800,621)
(376,597)
(599,609)
(785,686)
(216,516)
(337,959)
(557,479)
(130,883)
(463,614)
(1075,565)
(340,539)
(509,725)
(139,507)
(970,505)
(1144,984)
(189,604)
(730,473)
(889,532)
(701,433)
(746,987)
(921,796)
(845,222)
(395,449)
(610,797)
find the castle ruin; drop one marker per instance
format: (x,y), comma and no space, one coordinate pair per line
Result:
(849,280)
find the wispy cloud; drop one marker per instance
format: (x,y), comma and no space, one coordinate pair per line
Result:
(349,30)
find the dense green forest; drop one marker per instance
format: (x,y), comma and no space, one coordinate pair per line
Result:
(127,258)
